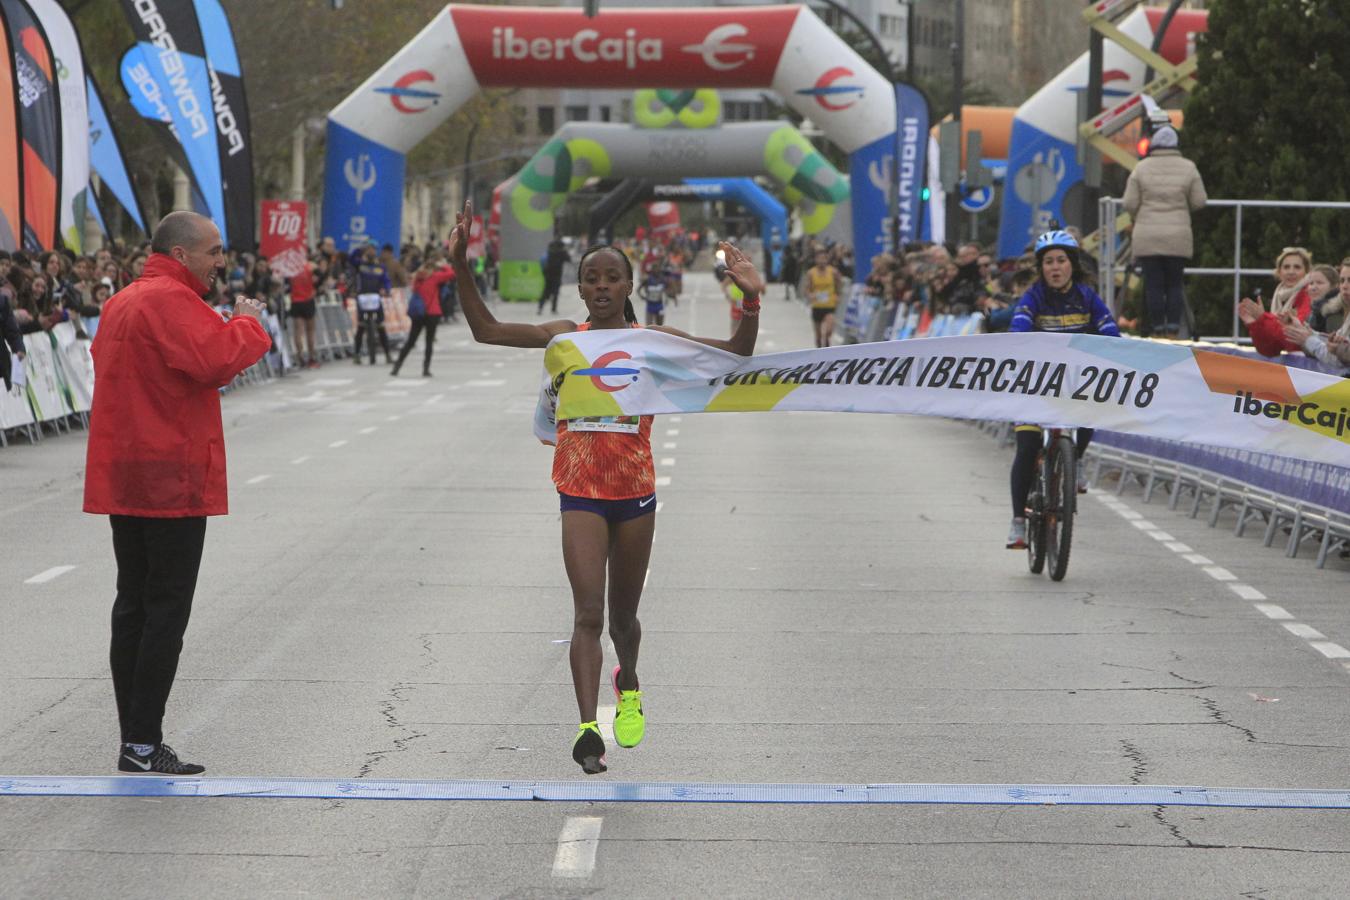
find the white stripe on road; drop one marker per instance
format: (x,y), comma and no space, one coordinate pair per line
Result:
(1127,513)
(393,418)
(1307,632)
(484,383)
(369,430)
(299,459)
(1196,559)
(663,481)
(668,445)
(258,479)
(1247,592)
(1177,547)
(1219,573)
(337,444)
(1273,611)
(604,717)
(577,845)
(53,572)
(667,460)
(1159,535)
(1330,650)
(672,432)
(674,419)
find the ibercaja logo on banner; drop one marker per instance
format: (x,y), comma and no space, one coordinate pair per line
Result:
(283,236)
(625,48)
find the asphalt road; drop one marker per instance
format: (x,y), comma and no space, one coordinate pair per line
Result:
(829,602)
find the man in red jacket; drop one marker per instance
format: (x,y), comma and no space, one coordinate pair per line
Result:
(156,462)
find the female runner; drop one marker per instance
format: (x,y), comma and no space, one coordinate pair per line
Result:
(606,482)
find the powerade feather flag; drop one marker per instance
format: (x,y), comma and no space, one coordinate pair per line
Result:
(106,159)
(39,124)
(232,131)
(147,99)
(69,60)
(11,177)
(172,54)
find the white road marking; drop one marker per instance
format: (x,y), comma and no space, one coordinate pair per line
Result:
(485,382)
(299,459)
(331,382)
(337,444)
(667,460)
(369,430)
(258,479)
(663,481)
(1330,650)
(1177,547)
(1272,611)
(436,399)
(498,365)
(1246,592)
(577,845)
(393,418)
(1159,535)
(672,432)
(1307,632)
(1219,573)
(668,445)
(1142,524)
(604,718)
(53,572)
(1128,513)
(1197,560)
(393,393)
(675,418)
(484,374)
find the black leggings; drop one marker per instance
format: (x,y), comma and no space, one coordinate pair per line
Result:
(157,563)
(367,326)
(1164,291)
(1024,463)
(418,324)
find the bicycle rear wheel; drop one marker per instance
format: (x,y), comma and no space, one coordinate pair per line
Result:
(1062,502)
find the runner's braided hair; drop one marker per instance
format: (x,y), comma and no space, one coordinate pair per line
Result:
(628,314)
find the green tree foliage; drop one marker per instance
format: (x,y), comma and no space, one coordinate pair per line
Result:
(1270,120)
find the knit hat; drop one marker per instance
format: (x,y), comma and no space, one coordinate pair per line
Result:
(1165,138)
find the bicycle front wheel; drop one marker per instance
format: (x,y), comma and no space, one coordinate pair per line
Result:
(1062,503)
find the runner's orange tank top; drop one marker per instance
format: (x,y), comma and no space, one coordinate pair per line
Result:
(604,458)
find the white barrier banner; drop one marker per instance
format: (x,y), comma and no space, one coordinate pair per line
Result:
(76,366)
(44,382)
(1166,390)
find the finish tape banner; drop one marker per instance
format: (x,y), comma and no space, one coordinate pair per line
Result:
(1132,386)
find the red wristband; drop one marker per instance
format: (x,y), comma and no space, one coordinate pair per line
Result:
(750,305)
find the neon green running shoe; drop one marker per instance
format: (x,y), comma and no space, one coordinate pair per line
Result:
(629,724)
(589,748)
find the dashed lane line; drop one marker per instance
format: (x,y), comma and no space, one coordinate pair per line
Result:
(258,479)
(1315,638)
(663,481)
(370,430)
(577,846)
(299,459)
(52,573)
(337,444)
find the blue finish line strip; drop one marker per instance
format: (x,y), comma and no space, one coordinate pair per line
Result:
(673,792)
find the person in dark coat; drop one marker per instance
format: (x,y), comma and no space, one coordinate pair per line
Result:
(156,463)
(11,340)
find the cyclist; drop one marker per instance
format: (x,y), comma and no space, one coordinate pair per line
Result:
(1060,301)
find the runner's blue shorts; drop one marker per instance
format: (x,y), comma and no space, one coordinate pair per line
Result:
(612,511)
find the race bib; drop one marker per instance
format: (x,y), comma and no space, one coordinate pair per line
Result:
(821,298)
(369,302)
(614,424)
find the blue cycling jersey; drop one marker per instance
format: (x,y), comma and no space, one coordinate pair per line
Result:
(1076,311)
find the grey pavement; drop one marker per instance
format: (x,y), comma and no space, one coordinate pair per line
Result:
(829,601)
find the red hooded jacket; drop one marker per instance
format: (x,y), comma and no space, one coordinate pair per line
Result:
(156,443)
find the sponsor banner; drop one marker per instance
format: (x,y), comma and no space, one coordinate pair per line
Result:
(106,159)
(638,48)
(11,149)
(362,190)
(1131,386)
(283,236)
(230,106)
(663,217)
(872,171)
(39,124)
(148,99)
(68,66)
(174,57)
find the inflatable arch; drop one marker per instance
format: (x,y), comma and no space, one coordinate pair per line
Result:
(1042,164)
(467,48)
(771,213)
(583,150)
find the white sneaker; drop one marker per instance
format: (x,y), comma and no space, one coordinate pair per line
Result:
(1082,481)
(1017,534)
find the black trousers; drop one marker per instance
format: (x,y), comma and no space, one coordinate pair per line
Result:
(419,323)
(1164,291)
(368,325)
(157,563)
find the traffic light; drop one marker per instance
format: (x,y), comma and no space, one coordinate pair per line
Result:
(925,194)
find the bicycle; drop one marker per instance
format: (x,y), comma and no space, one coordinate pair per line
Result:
(1052,504)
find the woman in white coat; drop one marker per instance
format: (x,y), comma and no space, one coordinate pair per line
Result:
(1163,191)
